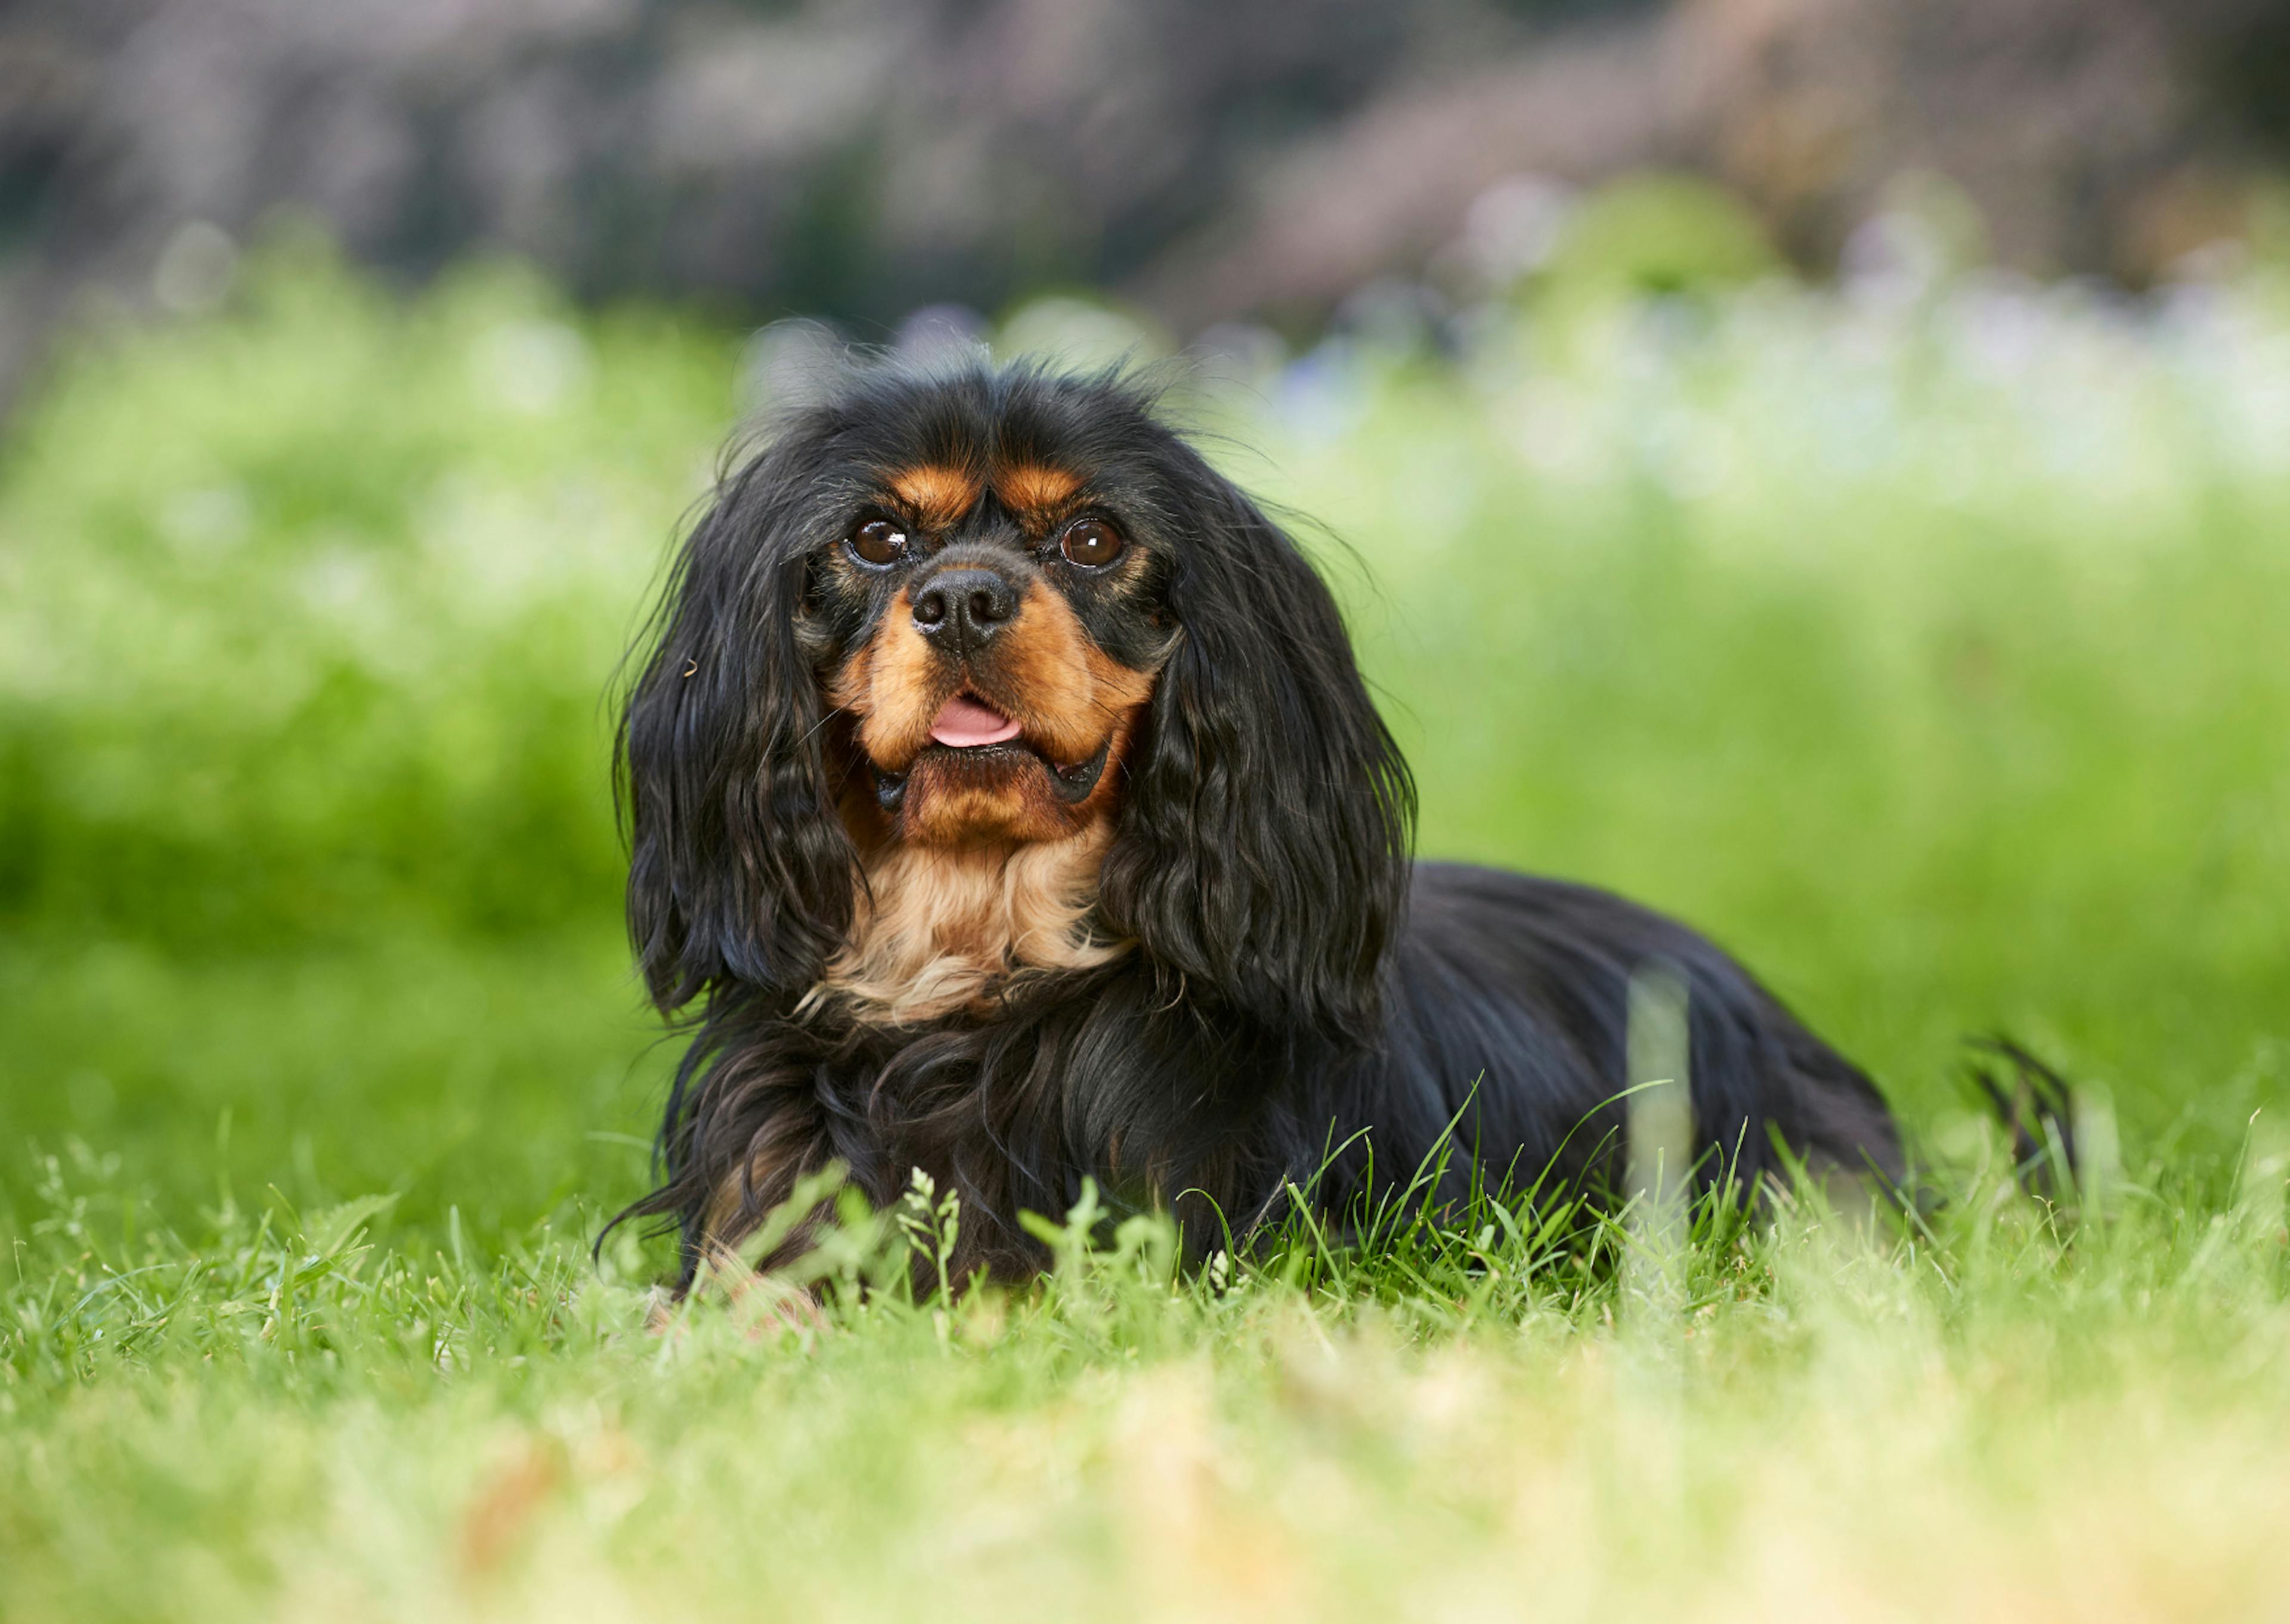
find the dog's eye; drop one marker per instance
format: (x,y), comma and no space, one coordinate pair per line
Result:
(1093,542)
(879,542)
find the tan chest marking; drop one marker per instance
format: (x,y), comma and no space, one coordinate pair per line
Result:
(946,929)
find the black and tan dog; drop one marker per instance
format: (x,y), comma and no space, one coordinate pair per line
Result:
(1005,798)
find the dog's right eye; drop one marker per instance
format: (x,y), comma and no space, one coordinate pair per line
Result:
(879,542)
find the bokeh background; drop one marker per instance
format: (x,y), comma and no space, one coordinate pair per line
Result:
(1821,468)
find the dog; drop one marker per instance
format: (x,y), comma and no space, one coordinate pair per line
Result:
(1004,802)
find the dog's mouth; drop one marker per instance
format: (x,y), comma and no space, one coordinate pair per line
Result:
(969,736)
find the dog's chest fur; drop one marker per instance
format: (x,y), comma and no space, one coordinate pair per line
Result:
(938,930)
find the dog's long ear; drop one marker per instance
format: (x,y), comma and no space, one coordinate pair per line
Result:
(1263,850)
(739,868)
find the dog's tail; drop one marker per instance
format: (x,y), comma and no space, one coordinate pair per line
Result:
(2037,1105)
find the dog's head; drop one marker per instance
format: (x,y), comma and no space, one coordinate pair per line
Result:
(991,609)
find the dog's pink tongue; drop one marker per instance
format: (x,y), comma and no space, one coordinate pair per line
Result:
(964,722)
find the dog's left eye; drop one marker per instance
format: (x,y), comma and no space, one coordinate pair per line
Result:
(879,542)
(1093,542)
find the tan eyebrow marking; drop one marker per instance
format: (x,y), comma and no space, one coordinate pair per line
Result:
(1031,486)
(939,495)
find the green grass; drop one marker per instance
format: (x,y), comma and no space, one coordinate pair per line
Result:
(1929,657)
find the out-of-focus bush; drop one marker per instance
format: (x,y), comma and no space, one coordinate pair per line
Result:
(308,611)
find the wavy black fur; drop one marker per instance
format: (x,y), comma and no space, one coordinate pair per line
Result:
(1295,978)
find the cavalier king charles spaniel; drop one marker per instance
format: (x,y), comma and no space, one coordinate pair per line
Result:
(1005,803)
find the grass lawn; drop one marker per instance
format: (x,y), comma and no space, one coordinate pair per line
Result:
(1932,659)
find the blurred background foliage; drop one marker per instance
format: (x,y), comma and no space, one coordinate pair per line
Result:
(1821,474)
(308,585)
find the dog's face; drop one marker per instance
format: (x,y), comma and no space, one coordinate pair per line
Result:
(994,622)
(979,612)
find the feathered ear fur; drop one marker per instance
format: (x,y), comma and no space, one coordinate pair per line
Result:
(739,870)
(1263,850)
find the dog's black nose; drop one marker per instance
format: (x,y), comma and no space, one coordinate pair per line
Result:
(962,608)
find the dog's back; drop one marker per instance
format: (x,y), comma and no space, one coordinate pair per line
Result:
(1507,1010)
